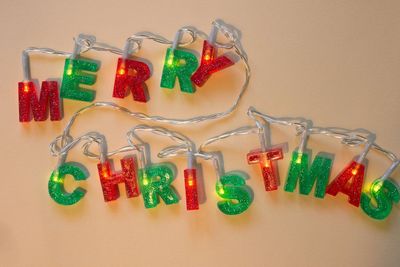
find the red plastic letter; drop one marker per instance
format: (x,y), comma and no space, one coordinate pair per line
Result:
(192,201)
(265,160)
(209,64)
(28,100)
(109,181)
(131,75)
(354,172)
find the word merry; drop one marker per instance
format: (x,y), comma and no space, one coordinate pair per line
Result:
(130,76)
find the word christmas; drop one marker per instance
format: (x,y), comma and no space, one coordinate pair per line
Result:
(154,181)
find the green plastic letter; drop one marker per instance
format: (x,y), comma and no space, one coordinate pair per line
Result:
(384,193)
(318,173)
(56,184)
(232,187)
(181,64)
(155,181)
(74,75)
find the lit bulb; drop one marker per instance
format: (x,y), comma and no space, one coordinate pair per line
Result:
(26,88)
(207,57)
(354,171)
(377,187)
(170,59)
(221,190)
(55,177)
(104,172)
(266,164)
(69,70)
(145,181)
(121,71)
(298,160)
(190,181)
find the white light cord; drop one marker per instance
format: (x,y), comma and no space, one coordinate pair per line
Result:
(26,69)
(62,151)
(239,131)
(347,137)
(185,144)
(216,160)
(391,169)
(300,124)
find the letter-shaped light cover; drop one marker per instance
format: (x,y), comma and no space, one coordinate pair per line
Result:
(268,168)
(192,200)
(349,182)
(210,64)
(179,64)
(28,101)
(75,74)
(109,181)
(299,171)
(155,182)
(384,193)
(56,184)
(130,76)
(232,188)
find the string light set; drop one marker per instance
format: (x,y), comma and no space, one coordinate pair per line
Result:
(153,181)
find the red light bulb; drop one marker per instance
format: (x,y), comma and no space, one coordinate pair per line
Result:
(121,71)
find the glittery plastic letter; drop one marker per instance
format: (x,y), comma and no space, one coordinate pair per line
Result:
(232,187)
(209,64)
(131,75)
(75,74)
(192,201)
(268,167)
(318,173)
(155,181)
(181,64)
(56,184)
(349,182)
(384,193)
(109,181)
(28,100)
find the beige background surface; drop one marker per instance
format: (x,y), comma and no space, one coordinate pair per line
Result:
(335,62)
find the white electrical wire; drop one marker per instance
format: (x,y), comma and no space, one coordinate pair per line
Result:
(62,151)
(216,160)
(353,138)
(185,144)
(239,131)
(26,70)
(347,137)
(302,126)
